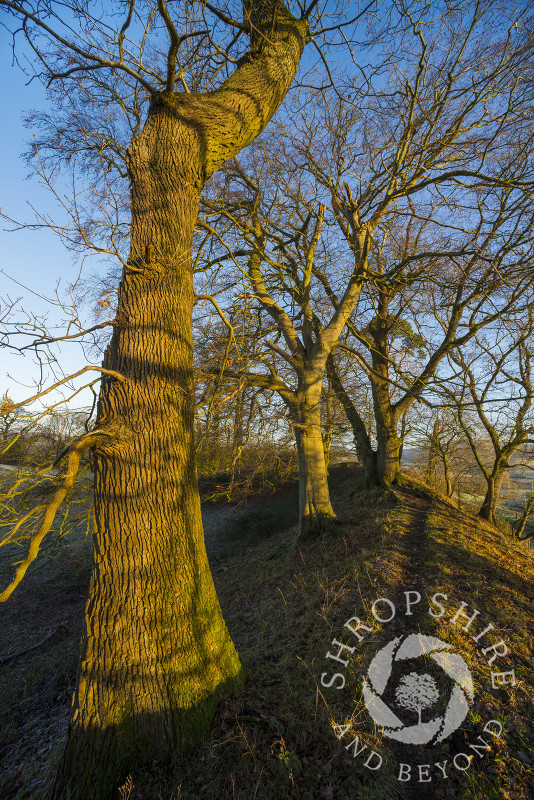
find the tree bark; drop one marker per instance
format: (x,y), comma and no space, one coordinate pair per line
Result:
(389,445)
(388,453)
(156,656)
(493,491)
(328,426)
(315,509)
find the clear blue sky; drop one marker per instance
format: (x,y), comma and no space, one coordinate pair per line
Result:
(36,259)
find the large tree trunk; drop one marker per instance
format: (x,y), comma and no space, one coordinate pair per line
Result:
(388,453)
(156,654)
(315,509)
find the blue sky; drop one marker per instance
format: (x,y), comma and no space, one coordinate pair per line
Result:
(36,259)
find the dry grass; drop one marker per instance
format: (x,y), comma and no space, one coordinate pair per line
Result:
(283,608)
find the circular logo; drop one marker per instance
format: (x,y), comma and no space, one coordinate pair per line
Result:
(417,691)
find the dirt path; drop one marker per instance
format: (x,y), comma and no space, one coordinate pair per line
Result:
(216,520)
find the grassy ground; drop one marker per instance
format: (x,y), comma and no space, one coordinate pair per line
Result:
(284,607)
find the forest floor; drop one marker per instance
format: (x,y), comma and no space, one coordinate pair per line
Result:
(284,606)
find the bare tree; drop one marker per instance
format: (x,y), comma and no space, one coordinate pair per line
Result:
(432,170)
(443,453)
(284,239)
(494,380)
(156,654)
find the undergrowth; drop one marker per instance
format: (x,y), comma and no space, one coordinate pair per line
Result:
(284,607)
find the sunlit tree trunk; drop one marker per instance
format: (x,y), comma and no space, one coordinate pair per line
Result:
(388,454)
(315,509)
(388,450)
(156,654)
(328,425)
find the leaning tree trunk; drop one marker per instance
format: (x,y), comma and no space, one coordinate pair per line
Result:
(156,654)
(315,509)
(362,442)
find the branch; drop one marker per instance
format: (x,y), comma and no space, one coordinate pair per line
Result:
(85,441)
(232,116)
(110,372)
(98,61)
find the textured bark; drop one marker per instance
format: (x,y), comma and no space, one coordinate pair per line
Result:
(156,656)
(328,425)
(388,452)
(315,509)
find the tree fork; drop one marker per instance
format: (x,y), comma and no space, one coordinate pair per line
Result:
(156,655)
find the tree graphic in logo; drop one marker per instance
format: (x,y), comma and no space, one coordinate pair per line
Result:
(417,692)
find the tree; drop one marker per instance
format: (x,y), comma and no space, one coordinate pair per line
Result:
(498,363)
(156,655)
(284,246)
(432,169)
(417,692)
(446,460)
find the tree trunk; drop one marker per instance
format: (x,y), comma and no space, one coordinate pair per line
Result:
(362,442)
(520,524)
(493,491)
(156,654)
(328,426)
(388,455)
(449,488)
(389,446)
(315,510)
(433,454)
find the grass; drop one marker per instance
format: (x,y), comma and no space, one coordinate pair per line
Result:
(283,608)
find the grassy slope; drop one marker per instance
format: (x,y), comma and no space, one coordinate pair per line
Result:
(283,608)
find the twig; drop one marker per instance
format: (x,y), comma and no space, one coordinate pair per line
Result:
(48,636)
